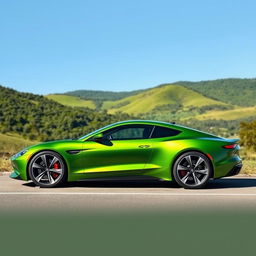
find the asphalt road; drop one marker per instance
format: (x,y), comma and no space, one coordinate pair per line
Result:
(237,192)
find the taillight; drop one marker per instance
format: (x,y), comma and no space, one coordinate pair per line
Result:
(230,146)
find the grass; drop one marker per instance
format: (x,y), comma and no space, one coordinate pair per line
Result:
(71,101)
(249,167)
(9,145)
(145,102)
(233,114)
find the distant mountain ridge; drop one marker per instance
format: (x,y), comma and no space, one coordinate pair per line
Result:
(227,90)
(102,95)
(198,103)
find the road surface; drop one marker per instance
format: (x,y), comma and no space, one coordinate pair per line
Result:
(238,192)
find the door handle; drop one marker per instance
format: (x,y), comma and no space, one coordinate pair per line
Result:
(144,146)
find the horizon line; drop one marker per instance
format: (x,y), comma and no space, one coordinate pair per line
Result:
(142,89)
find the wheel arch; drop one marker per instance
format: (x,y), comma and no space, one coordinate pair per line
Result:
(192,150)
(49,150)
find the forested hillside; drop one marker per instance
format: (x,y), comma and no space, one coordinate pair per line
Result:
(241,92)
(216,106)
(235,91)
(160,99)
(38,118)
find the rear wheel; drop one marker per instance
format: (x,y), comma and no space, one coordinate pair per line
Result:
(192,170)
(47,169)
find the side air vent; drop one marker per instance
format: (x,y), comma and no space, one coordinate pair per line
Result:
(74,152)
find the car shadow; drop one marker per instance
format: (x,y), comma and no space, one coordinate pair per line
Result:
(123,184)
(231,183)
(114,184)
(213,184)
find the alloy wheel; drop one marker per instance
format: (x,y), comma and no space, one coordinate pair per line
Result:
(192,170)
(47,169)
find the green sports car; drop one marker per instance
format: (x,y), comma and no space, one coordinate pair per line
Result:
(165,151)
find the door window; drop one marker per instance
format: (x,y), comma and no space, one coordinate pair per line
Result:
(129,132)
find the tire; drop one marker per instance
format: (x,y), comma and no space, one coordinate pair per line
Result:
(47,169)
(192,170)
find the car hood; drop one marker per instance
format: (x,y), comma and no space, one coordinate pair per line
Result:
(52,143)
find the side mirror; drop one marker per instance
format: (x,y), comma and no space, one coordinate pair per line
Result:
(97,137)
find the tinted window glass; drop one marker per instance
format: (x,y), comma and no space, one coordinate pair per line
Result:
(160,132)
(129,132)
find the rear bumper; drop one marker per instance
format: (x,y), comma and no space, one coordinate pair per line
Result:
(235,170)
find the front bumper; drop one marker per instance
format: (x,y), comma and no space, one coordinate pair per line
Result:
(19,166)
(15,175)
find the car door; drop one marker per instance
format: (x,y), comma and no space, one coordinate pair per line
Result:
(123,149)
(164,147)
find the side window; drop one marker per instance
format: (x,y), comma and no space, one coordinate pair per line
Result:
(160,132)
(129,132)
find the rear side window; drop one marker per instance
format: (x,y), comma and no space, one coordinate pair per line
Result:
(161,132)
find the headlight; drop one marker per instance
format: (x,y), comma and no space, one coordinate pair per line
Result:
(21,153)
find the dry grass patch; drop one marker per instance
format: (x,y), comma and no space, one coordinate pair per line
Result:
(9,145)
(249,161)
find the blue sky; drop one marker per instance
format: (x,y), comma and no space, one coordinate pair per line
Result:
(57,46)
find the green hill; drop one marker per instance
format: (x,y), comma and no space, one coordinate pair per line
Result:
(38,118)
(234,91)
(241,92)
(98,97)
(165,102)
(207,105)
(71,101)
(232,114)
(149,100)
(101,95)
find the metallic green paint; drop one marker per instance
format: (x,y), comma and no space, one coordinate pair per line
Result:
(93,159)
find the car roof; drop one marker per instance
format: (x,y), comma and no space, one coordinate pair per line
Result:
(147,122)
(153,122)
(165,124)
(150,122)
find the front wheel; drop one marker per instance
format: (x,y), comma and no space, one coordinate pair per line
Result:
(47,169)
(192,170)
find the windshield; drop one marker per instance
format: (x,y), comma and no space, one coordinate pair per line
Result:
(94,132)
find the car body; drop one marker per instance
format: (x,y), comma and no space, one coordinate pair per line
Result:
(131,148)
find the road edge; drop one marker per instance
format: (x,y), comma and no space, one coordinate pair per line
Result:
(239,175)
